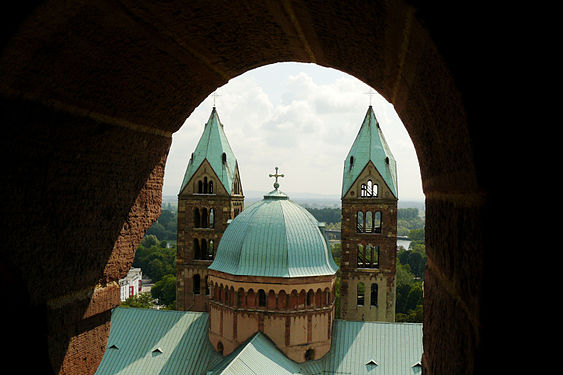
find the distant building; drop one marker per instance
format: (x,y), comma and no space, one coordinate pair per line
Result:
(131,284)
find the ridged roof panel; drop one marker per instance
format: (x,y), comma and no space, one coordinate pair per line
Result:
(145,341)
(277,238)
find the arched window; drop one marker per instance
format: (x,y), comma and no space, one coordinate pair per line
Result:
(310,297)
(360,222)
(197,218)
(360,257)
(271,303)
(261,298)
(210,186)
(363,191)
(240,298)
(309,354)
(200,187)
(206,286)
(196,284)
(282,300)
(205,187)
(250,299)
(224,158)
(211,217)
(203,249)
(293,299)
(369,222)
(210,250)
(204,222)
(220,347)
(369,189)
(377,222)
(351,162)
(361,292)
(373,295)
(197,250)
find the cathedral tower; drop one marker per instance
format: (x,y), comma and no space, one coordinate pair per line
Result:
(210,196)
(369,227)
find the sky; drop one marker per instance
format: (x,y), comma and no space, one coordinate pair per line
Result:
(302,118)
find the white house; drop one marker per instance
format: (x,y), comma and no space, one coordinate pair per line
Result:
(131,284)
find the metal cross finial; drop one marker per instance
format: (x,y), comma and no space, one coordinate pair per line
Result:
(370,93)
(276,175)
(215,95)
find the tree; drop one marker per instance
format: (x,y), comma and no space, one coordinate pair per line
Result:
(141,300)
(165,290)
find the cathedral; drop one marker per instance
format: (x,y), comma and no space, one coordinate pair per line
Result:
(257,287)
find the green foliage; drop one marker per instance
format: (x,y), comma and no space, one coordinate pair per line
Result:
(166,226)
(156,261)
(409,296)
(326,214)
(165,290)
(141,300)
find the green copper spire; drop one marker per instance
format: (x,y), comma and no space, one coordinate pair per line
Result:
(370,145)
(214,147)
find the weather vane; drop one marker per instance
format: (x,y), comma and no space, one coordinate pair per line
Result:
(276,175)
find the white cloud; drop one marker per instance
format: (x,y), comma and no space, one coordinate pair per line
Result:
(306,130)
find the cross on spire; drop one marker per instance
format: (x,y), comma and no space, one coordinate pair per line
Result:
(370,93)
(215,95)
(276,175)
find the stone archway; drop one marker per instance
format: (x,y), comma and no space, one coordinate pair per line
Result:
(92,92)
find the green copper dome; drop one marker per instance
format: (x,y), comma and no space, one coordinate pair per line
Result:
(276,238)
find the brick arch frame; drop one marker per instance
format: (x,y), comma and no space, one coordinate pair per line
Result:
(83,122)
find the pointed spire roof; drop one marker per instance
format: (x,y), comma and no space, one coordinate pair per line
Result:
(370,145)
(212,145)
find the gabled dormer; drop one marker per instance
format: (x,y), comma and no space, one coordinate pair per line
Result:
(212,162)
(369,163)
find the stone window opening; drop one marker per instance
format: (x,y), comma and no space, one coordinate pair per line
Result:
(211,218)
(360,222)
(210,250)
(309,354)
(360,294)
(373,295)
(261,298)
(207,291)
(310,298)
(197,218)
(220,347)
(368,256)
(204,219)
(351,162)
(197,250)
(203,247)
(377,222)
(196,284)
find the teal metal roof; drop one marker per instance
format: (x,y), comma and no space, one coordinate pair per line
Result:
(258,355)
(145,341)
(370,145)
(211,146)
(277,238)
